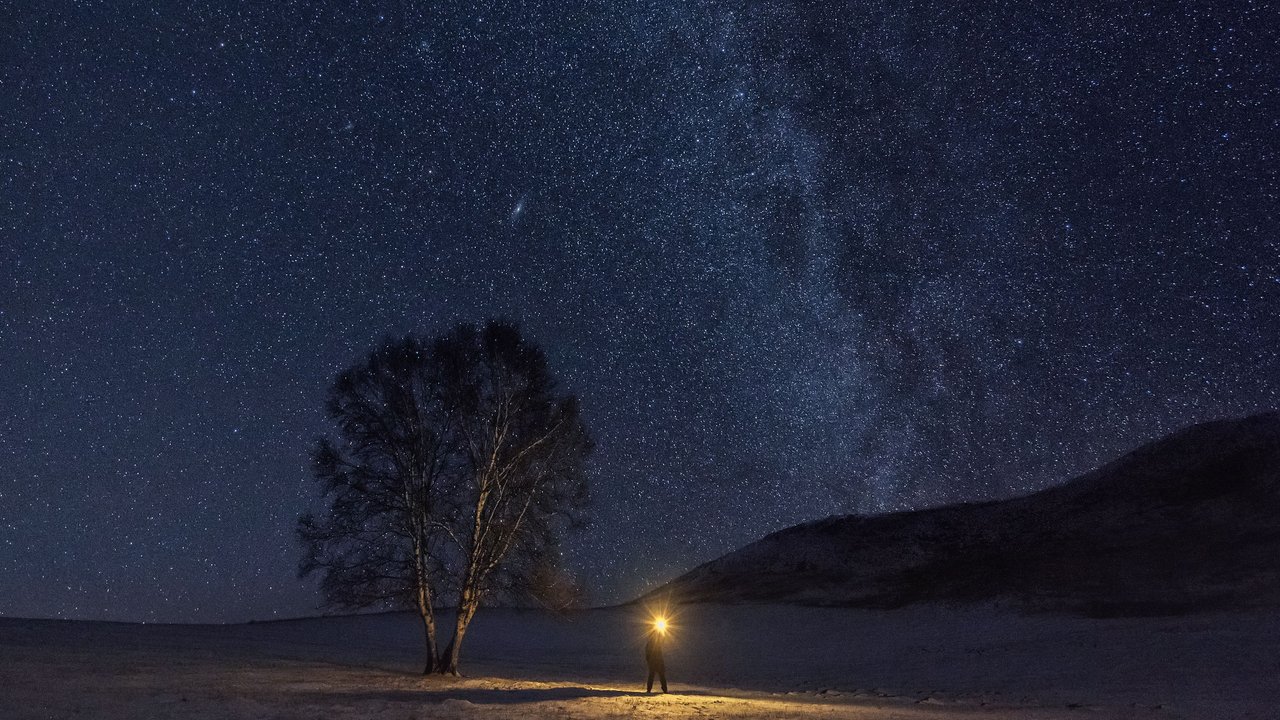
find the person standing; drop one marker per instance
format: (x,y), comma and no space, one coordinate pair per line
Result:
(653,657)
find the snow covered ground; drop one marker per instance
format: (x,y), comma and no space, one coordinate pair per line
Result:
(724,662)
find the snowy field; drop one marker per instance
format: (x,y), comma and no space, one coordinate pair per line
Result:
(724,662)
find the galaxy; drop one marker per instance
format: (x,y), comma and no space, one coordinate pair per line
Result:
(796,259)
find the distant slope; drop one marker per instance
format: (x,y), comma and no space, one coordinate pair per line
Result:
(1188,522)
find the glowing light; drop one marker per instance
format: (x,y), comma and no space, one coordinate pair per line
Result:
(658,618)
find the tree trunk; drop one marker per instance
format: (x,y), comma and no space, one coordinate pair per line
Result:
(449,662)
(427,613)
(468,594)
(429,637)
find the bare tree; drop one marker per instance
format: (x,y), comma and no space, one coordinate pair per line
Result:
(523,447)
(374,545)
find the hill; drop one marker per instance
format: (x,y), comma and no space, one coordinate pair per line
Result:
(1189,522)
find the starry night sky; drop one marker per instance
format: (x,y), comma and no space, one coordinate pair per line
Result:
(798,259)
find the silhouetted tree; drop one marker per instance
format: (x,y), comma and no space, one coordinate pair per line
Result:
(522,446)
(458,465)
(374,545)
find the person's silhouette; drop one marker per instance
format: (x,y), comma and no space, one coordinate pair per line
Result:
(653,656)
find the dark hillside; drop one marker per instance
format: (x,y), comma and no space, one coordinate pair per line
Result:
(1189,522)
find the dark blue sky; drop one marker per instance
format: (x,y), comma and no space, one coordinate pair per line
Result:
(797,259)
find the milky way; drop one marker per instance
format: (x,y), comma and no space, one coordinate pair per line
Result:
(798,259)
